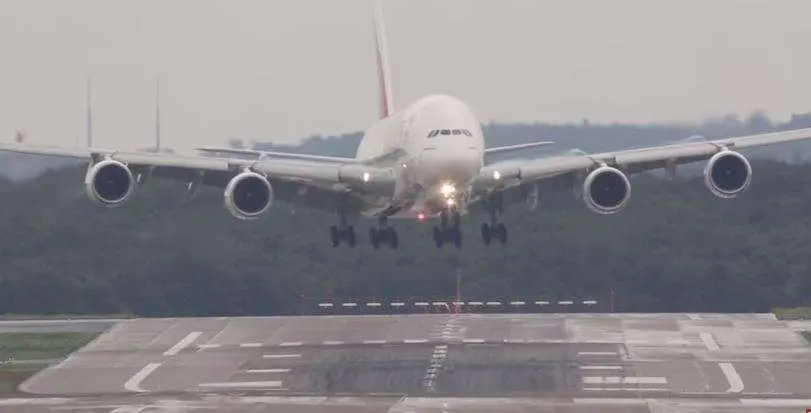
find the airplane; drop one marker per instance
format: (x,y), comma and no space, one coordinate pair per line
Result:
(426,161)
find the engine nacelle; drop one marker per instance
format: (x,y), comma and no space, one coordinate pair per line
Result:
(248,195)
(606,190)
(109,183)
(727,174)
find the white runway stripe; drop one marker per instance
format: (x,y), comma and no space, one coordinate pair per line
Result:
(415,341)
(333,343)
(244,384)
(270,371)
(291,344)
(177,348)
(205,346)
(280,356)
(633,389)
(709,341)
(597,353)
(134,383)
(374,341)
(250,345)
(473,340)
(623,380)
(600,367)
(735,381)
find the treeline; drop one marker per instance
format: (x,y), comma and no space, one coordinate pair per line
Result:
(675,248)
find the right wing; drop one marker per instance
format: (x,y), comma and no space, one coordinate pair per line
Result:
(516,178)
(514,148)
(316,184)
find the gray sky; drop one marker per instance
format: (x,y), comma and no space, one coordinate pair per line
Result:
(285,69)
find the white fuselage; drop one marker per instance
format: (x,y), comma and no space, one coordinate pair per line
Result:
(444,148)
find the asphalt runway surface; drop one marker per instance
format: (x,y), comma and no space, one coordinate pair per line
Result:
(434,363)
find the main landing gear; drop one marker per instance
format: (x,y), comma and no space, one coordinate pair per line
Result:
(383,234)
(494,230)
(448,229)
(342,232)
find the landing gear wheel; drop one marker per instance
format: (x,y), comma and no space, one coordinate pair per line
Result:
(350,236)
(456,237)
(334,235)
(439,237)
(501,233)
(393,240)
(487,235)
(374,237)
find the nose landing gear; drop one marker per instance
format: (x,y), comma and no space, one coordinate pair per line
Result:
(383,234)
(448,229)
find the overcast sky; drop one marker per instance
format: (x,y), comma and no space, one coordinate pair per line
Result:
(282,70)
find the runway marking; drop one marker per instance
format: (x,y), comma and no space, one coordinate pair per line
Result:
(600,367)
(291,344)
(263,371)
(250,345)
(416,341)
(134,383)
(597,353)
(694,317)
(183,343)
(205,346)
(280,356)
(634,389)
(511,340)
(709,341)
(374,341)
(239,384)
(333,343)
(734,379)
(473,340)
(607,400)
(623,380)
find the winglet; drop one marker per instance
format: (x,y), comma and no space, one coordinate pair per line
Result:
(386,102)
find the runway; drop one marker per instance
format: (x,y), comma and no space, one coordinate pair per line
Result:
(439,362)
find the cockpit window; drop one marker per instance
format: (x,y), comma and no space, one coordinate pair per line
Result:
(455,132)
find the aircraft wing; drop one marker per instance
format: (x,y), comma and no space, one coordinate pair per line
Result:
(384,159)
(516,175)
(311,183)
(514,148)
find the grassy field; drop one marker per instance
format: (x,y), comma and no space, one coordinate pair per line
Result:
(23,354)
(798,313)
(807,335)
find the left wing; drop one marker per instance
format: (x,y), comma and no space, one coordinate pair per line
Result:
(315,184)
(517,177)
(513,148)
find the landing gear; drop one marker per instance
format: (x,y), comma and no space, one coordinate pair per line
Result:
(494,230)
(383,234)
(337,235)
(497,231)
(448,230)
(342,232)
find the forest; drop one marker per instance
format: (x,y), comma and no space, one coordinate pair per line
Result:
(675,248)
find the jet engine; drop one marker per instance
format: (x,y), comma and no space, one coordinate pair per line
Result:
(109,183)
(727,174)
(248,195)
(606,190)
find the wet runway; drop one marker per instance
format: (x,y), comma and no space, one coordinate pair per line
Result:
(439,362)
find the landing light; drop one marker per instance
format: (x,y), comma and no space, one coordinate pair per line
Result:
(496,175)
(421,216)
(447,189)
(450,201)
(367,176)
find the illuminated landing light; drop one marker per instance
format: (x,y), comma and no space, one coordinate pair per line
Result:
(447,189)
(367,176)
(450,202)
(496,175)
(421,216)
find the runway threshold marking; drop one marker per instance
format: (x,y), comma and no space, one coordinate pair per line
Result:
(734,379)
(134,383)
(709,341)
(177,348)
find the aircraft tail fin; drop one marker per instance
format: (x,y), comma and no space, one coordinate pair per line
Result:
(386,103)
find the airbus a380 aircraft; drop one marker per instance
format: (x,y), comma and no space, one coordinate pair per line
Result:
(426,161)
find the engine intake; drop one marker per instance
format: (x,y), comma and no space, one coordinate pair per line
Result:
(606,190)
(727,174)
(248,195)
(109,183)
